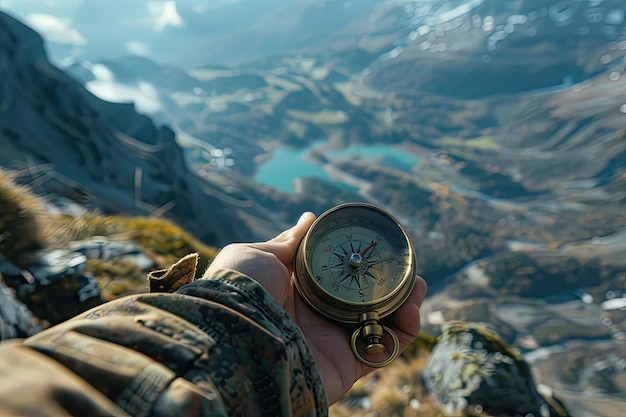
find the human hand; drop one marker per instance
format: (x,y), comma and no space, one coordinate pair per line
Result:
(270,264)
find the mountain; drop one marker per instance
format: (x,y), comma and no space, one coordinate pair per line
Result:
(65,141)
(518,155)
(113,159)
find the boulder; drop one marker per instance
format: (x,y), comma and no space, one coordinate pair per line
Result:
(472,372)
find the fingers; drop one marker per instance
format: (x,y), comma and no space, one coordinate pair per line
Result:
(407,319)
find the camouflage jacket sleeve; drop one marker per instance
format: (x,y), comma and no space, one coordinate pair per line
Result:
(215,347)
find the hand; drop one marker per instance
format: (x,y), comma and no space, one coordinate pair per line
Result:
(270,264)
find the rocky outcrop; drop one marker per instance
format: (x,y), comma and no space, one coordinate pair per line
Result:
(467,371)
(471,372)
(16,321)
(54,288)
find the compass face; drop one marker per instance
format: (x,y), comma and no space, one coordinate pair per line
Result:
(358,255)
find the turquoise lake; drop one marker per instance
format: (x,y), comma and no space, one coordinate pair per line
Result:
(288,164)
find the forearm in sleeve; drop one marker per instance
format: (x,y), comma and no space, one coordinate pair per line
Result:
(216,347)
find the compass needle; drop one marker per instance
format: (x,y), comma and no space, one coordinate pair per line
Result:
(367,249)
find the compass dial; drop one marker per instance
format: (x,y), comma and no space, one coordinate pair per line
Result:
(357,261)
(355,258)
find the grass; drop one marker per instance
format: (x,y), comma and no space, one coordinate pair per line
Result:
(23,222)
(347,89)
(389,391)
(321,117)
(26,228)
(282,83)
(117,278)
(320,73)
(162,240)
(483,143)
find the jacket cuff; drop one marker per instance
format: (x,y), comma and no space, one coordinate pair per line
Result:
(246,296)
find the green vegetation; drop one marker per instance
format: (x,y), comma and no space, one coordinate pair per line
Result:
(322,117)
(23,222)
(26,228)
(485,143)
(161,240)
(117,278)
(166,241)
(347,89)
(422,345)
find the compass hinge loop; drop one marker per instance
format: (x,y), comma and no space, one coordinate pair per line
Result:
(371,332)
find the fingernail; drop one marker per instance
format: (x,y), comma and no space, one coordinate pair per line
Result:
(303,217)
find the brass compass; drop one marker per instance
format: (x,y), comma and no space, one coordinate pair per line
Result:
(356,265)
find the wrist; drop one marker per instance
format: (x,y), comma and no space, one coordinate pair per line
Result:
(246,296)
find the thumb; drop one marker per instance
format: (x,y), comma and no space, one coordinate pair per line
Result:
(297,232)
(284,245)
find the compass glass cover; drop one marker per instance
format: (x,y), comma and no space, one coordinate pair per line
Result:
(358,255)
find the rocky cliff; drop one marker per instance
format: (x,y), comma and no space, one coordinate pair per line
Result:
(113,158)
